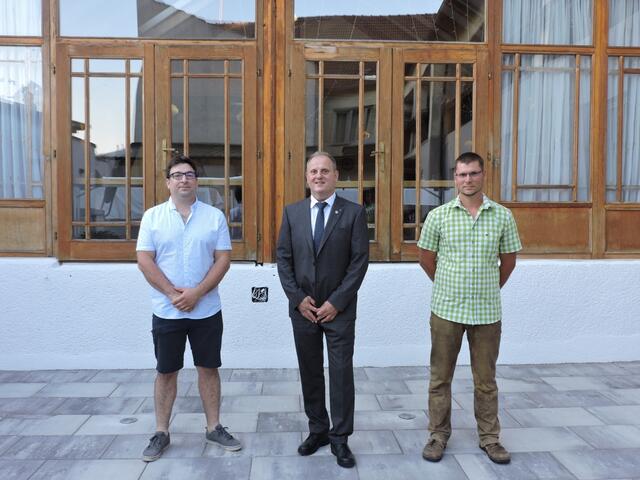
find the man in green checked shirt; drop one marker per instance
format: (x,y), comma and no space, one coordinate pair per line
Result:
(468,249)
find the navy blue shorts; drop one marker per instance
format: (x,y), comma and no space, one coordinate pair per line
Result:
(170,337)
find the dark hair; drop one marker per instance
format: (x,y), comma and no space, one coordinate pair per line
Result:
(177,160)
(323,154)
(470,157)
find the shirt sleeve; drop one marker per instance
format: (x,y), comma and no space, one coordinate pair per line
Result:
(510,241)
(224,240)
(430,234)
(145,239)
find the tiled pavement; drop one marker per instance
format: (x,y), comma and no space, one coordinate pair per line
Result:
(569,421)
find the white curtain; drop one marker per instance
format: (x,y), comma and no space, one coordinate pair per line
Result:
(546,128)
(20,17)
(630,132)
(559,22)
(624,23)
(21,156)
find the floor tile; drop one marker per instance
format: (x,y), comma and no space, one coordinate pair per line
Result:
(29,406)
(99,406)
(14,376)
(461,441)
(578,398)
(618,415)
(364,403)
(145,389)
(93,469)
(61,376)
(382,387)
(58,447)
(131,446)
(77,389)
(281,388)
(403,402)
(283,422)
(196,422)
(575,383)
(19,390)
(390,420)
(115,376)
(118,425)
(512,385)
(261,444)
(181,405)
(371,442)
(523,466)
(244,388)
(542,439)
(226,468)
(554,417)
(45,425)
(261,403)
(314,467)
(622,381)
(601,464)
(6,441)
(265,375)
(19,469)
(624,396)
(409,467)
(397,373)
(610,436)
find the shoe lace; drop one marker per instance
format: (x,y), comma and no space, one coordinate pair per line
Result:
(223,431)
(155,441)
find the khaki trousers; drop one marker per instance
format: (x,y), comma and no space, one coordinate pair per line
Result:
(484,344)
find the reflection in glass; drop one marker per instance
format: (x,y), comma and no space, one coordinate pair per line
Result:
(340,125)
(107,121)
(207,125)
(21,18)
(177,114)
(136,124)
(107,65)
(21,99)
(206,66)
(235,212)
(441,21)
(624,23)
(77,65)
(312,101)
(158,19)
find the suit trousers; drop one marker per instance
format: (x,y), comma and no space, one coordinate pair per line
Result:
(340,335)
(484,345)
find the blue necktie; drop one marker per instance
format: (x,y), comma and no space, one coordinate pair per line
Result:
(318,231)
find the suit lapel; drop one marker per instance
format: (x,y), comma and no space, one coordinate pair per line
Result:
(306,220)
(334,216)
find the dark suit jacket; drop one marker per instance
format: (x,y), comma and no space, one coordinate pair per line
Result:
(337,271)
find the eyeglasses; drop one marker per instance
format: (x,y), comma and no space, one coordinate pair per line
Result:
(469,174)
(180,175)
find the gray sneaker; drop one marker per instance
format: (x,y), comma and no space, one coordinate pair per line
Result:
(220,436)
(157,444)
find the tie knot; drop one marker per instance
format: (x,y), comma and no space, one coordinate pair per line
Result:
(321,205)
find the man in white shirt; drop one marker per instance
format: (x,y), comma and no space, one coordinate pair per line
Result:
(184,251)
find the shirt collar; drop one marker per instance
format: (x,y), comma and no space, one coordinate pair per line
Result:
(486,203)
(172,206)
(329,200)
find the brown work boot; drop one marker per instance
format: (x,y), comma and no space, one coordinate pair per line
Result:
(497,453)
(433,450)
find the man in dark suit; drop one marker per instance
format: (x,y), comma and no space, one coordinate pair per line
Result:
(322,256)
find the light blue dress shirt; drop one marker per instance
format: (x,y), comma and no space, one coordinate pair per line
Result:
(184,252)
(314,211)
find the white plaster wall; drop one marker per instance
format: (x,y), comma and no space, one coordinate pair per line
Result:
(96,315)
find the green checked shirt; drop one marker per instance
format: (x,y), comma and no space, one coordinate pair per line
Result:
(467,282)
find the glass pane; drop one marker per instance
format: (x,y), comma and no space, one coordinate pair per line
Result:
(213,195)
(177,114)
(206,125)
(466,117)
(584,131)
(135,66)
(369,133)
(21,154)
(235,66)
(107,119)
(369,200)
(21,18)
(437,145)
(177,66)
(108,202)
(150,19)
(235,127)
(342,68)
(440,70)
(77,65)
(78,137)
(612,130)
(438,21)
(137,202)
(103,65)
(409,234)
(136,124)
(340,125)
(79,233)
(410,131)
(108,233)
(206,66)
(466,70)
(312,102)
(631,139)
(624,23)
(565,22)
(235,212)
(506,144)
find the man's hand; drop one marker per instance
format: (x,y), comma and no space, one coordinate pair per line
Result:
(187,299)
(308,309)
(326,313)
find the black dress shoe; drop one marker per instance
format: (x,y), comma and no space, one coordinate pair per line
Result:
(312,443)
(343,455)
